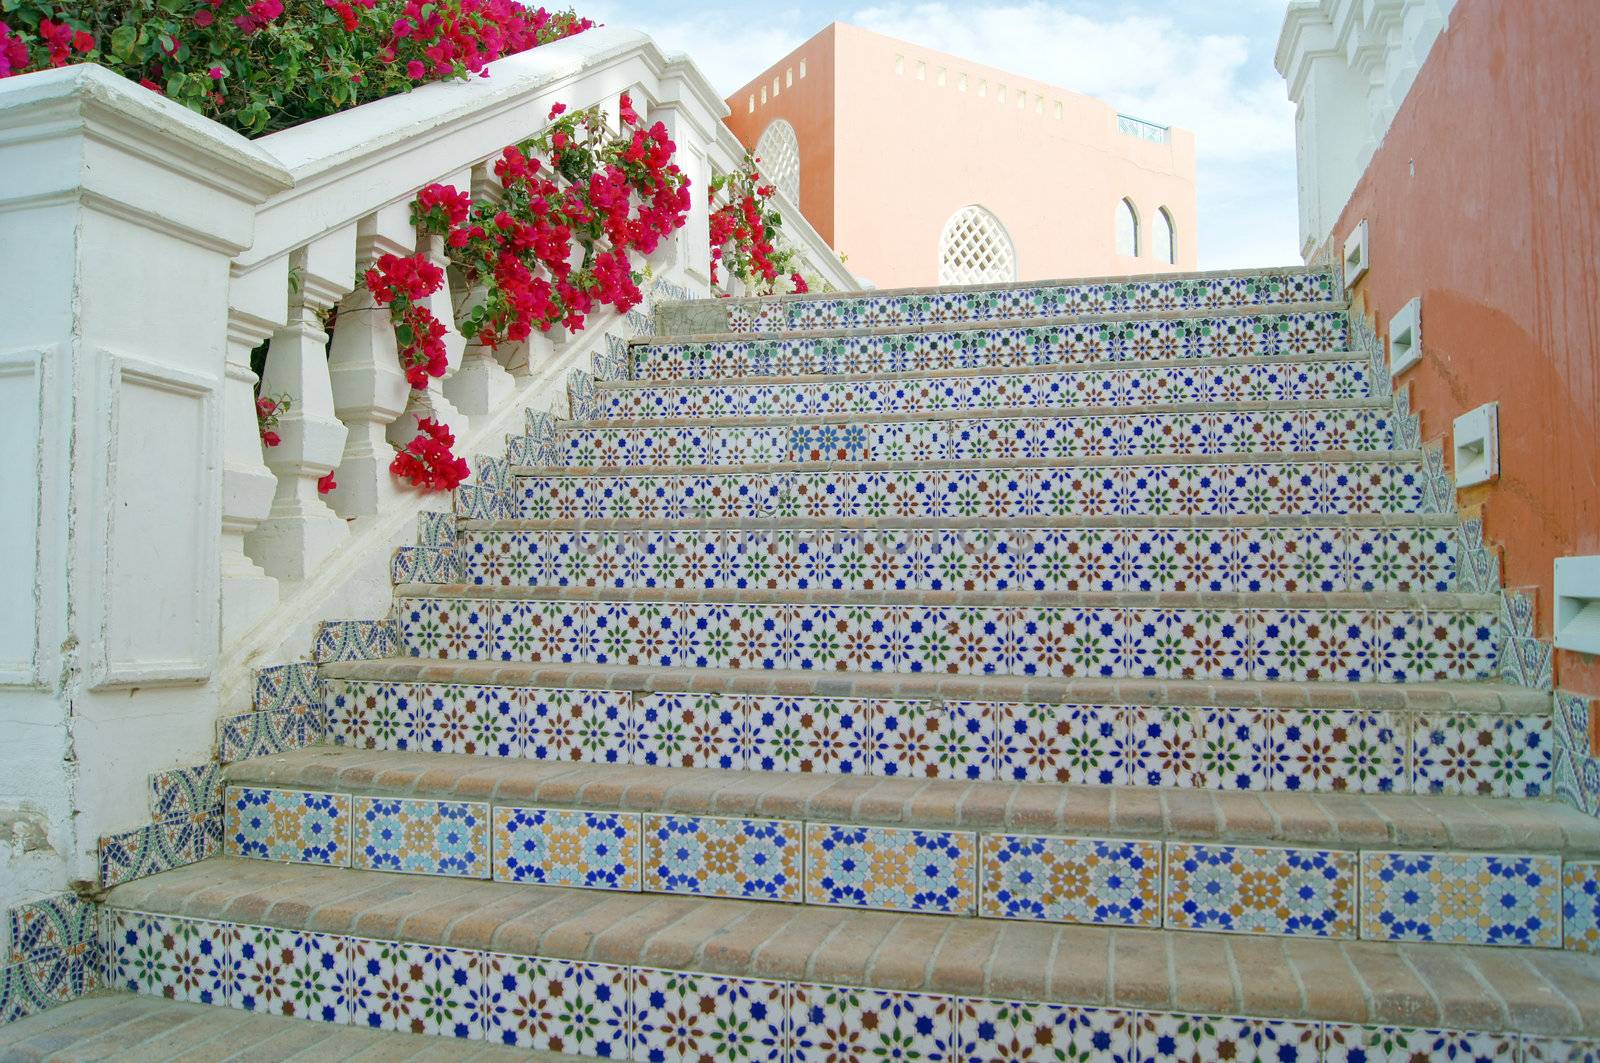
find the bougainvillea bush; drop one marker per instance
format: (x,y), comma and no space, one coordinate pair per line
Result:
(744,232)
(264,65)
(551,247)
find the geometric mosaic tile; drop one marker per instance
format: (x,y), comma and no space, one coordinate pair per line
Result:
(1464,898)
(1076,880)
(421,837)
(754,859)
(1580,906)
(695,1016)
(562,847)
(890,867)
(1238,889)
(288,825)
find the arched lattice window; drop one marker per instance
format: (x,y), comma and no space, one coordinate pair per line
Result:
(1127,229)
(975,249)
(1166,237)
(779,152)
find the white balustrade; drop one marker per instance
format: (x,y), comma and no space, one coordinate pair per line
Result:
(300,530)
(369,388)
(481,383)
(161,552)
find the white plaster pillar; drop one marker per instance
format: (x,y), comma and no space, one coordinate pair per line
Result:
(693,119)
(258,302)
(433,401)
(121,212)
(369,387)
(300,530)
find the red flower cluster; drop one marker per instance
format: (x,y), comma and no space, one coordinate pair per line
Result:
(556,244)
(402,284)
(744,231)
(326,483)
(428,460)
(268,410)
(324,55)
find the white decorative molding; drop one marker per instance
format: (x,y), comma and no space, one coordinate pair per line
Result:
(156,612)
(1476,440)
(1577,598)
(778,156)
(1348,65)
(22,391)
(1405,337)
(975,248)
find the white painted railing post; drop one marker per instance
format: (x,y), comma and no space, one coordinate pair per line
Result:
(433,401)
(258,303)
(120,213)
(369,387)
(693,118)
(481,384)
(300,531)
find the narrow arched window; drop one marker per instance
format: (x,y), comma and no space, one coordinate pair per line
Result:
(976,249)
(1166,237)
(778,150)
(1127,229)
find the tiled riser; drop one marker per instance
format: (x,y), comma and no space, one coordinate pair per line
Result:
(1465,898)
(984,439)
(1240,336)
(1043,390)
(1209,489)
(49,954)
(1387,646)
(645,1013)
(973,559)
(1053,300)
(1205,748)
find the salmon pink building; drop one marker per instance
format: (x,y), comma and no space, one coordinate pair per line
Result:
(924,168)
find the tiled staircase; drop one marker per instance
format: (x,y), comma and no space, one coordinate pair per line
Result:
(1085,671)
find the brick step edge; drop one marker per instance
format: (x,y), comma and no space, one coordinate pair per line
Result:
(1527,991)
(1264,310)
(1484,698)
(1345,821)
(846,379)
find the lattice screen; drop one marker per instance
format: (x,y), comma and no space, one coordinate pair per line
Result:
(779,152)
(976,249)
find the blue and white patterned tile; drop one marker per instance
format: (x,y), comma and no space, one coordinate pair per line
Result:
(1461,898)
(567,847)
(1075,880)
(890,868)
(556,1006)
(186,790)
(686,1018)
(421,837)
(292,826)
(1388,1044)
(844,1023)
(1580,906)
(1258,890)
(751,859)
(424,989)
(1163,1037)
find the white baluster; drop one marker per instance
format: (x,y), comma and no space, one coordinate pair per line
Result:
(258,304)
(694,128)
(301,531)
(481,385)
(432,401)
(369,387)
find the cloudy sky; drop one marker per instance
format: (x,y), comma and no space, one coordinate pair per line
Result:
(1201,64)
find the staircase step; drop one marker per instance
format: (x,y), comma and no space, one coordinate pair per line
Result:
(1482,740)
(1227,484)
(1429,822)
(154,1029)
(1051,298)
(1291,378)
(988,849)
(1310,328)
(705,442)
(1328,558)
(1381,638)
(609,948)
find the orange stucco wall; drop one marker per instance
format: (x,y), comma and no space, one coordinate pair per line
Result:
(1484,198)
(893,146)
(806,102)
